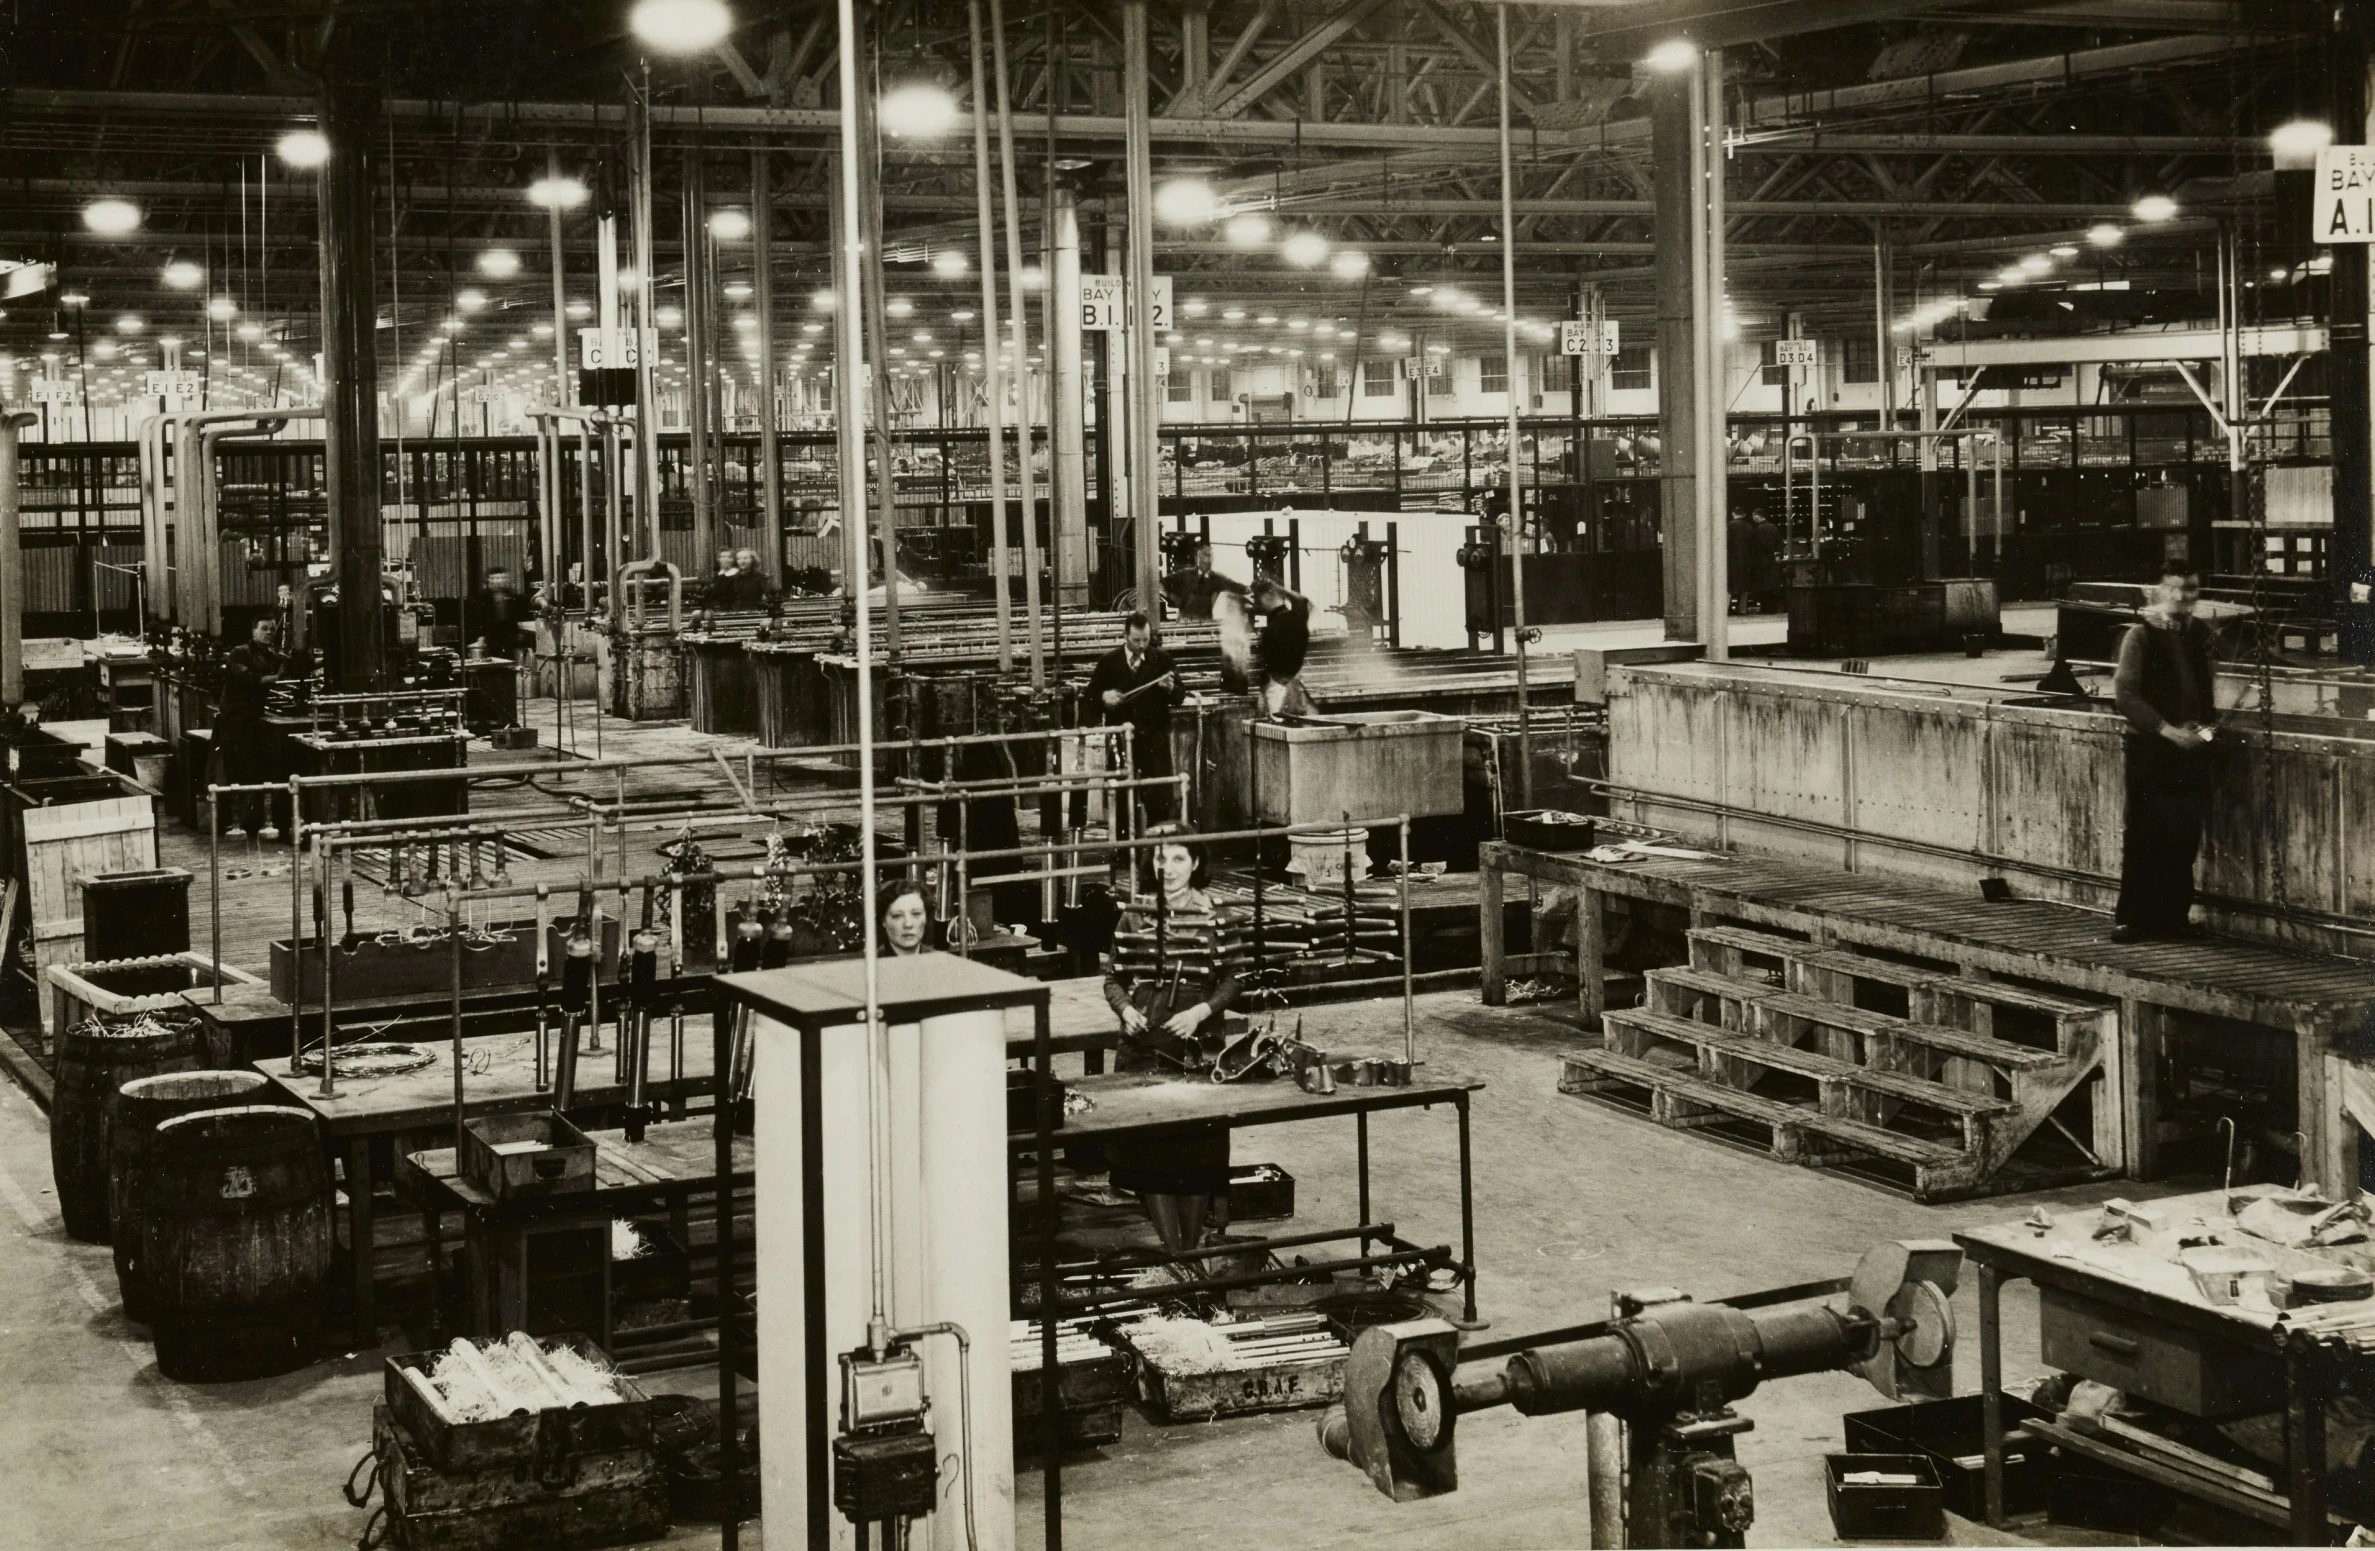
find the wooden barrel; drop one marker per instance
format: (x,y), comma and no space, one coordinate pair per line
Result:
(235,1242)
(142,1105)
(95,1058)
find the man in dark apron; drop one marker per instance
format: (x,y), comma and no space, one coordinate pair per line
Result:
(2163,687)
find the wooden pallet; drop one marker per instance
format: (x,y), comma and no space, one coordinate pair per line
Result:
(1770,1032)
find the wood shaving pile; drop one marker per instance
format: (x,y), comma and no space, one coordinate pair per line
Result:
(1183,1345)
(513,1377)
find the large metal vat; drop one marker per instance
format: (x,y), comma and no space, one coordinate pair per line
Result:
(1368,764)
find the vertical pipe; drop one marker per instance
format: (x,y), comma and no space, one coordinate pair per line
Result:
(877,318)
(1409,1000)
(849,430)
(1512,381)
(350,365)
(12,562)
(1714,446)
(1067,432)
(561,385)
(644,524)
(1143,412)
(762,287)
(700,366)
(1018,324)
(993,377)
(1604,1453)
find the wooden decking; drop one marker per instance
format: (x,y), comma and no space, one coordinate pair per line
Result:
(2316,1004)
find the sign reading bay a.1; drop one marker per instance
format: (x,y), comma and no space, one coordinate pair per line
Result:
(2345,207)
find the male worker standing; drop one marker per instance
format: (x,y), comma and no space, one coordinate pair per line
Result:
(500,616)
(2164,688)
(248,672)
(1191,591)
(1137,685)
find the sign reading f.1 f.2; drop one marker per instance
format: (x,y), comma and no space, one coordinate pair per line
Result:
(2345,208)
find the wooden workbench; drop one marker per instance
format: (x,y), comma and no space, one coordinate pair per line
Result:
(2148,1321)
(367,1114)
(2308,1000)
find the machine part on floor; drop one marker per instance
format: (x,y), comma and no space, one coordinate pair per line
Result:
(1667,1368)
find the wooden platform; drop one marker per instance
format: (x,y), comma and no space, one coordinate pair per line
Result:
(1962,962)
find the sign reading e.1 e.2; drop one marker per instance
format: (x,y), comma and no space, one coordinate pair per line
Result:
(2345,195)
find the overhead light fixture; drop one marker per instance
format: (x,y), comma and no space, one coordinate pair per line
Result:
(1185,202)
(471,300)
(2064,250)
(2155,207)
(1673,56)
(2106,235)
(111,217)
(1249,229)
(630,278)
(303,149)
(2036,263)
(1350,264)
(950,262)
(919,110)
(2296,144)
(183,275)
(498,263)
(1306,249)
(558,193)
(130,323)
(898,307)
(251,331)
(681,26)
(579,309)
(729,225)
(668,317)
(822,300)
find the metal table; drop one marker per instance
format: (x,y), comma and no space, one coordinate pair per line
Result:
(2140,1279)
(499,1079)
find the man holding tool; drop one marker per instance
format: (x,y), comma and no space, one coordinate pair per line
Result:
(1136,684)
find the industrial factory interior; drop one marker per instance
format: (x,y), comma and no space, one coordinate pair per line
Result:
(981,775)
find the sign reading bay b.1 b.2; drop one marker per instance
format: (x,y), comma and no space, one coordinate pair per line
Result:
(2345,208)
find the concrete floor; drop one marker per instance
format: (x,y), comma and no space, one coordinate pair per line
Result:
(1572,1200)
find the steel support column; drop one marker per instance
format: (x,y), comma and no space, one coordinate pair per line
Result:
(1143,411)
(1709,327)
(1675,172)
(700,373)
(762,295)
(12,562)
(350,366)
(2351,561)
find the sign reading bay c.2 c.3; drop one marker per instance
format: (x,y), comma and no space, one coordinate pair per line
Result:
(2345,195)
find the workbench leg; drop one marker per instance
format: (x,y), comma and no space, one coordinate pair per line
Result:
(1467,1222)
(2327,1156)
(1991,1387)
(2305,1444)
(1361,1141)
(359,1239)
(1591,956)
(433,1236)
(2140,1085)
(1491,950)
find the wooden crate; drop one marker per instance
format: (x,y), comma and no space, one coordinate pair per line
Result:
(607,1498)
(125,987)
(63,846)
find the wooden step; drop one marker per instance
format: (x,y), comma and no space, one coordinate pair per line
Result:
(1740,939)
(1782,1118)
(1914,979)
(1995,1052)
(1806,1063)
(1999,1053)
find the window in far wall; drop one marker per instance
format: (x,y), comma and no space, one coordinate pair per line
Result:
(1859,359)
(1377,380)
(1631,368)
(1323,380)
(1217,387)
(1492,374)
(1179,387)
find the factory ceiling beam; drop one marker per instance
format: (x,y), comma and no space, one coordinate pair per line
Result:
(1631,31)
(1195,103)
(1282,67)
(2242,16)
